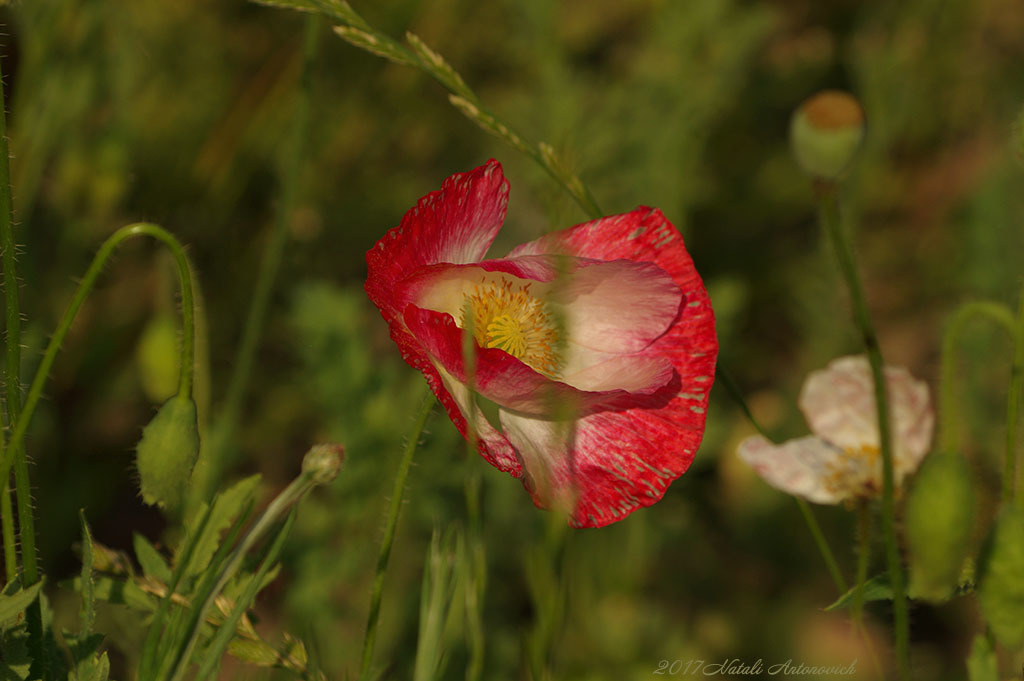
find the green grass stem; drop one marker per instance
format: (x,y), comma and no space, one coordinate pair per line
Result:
(831,223)
(394,510)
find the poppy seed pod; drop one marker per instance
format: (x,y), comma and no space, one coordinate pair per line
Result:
(323,462)
(167,452)
(826,132)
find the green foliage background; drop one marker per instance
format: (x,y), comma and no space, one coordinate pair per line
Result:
(178,113)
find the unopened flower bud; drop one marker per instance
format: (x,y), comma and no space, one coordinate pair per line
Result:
(1000,587)
(167,452)
(825,133)
(157,358)
(324,462)
(938,525)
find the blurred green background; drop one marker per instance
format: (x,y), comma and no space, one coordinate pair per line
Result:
(179,113)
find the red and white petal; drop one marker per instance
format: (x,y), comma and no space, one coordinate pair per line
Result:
(839,405)
(455,224)
(543,448)
(492,445)
(626,460)
(799,467)
(507,381)
(644,235)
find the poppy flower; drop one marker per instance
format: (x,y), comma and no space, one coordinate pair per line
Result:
(593,347)
(842,460)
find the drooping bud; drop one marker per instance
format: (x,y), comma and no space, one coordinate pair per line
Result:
(167,452)
(938,521)
(826,132)
(323,462)
(1000,587)
(157,358)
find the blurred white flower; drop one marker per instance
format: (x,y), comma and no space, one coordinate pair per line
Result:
(842,460)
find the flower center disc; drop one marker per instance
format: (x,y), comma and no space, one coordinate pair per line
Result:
(508,317)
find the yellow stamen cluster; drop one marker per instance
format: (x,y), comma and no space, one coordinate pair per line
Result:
(857,473)
(508,317)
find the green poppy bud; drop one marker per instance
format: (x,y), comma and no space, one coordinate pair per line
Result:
(157,358)
(938,525)
(1001,578)
(825,133)
(324,462)
(167,452)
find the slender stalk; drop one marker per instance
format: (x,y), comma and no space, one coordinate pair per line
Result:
(81,293)
(822,544)
(14,450)
(1013,402)
(949,432)
(275,511)
(394,510)
(269,265)
(10,541)
(863,555)
(830,220)
(805,509)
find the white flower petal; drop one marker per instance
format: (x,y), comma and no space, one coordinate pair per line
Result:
(800,467)
(839,405)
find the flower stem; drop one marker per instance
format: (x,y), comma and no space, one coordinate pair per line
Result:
(949,433)
(81,293)
(391,524)
(830,220)
(822,544)
(269,266)
(805,510)
(12,385)
(863,554)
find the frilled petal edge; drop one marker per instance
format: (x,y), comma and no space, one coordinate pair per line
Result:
(800,467)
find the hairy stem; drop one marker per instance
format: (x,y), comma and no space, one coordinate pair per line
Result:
(863,554)
(81,293)
(394,510)
(830,220)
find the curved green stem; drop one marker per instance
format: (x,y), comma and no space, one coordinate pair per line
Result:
(81,293)
(949,433)
(394,510)
(830,220)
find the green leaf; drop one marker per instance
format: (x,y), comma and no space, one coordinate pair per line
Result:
(15,661)
(153,564)
(377,44)
(117,591)
(1001,578)
(875,589)
(87,614)
(982,664)
(291,654)
(94,669)
(14,600)
(226,507)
